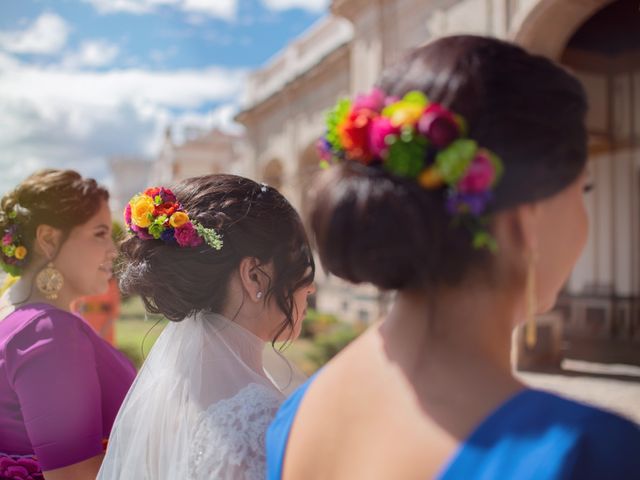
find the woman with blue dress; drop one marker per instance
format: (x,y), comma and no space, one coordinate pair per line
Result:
(458,182)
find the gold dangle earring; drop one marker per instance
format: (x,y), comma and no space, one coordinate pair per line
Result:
(50,281)
(531,331)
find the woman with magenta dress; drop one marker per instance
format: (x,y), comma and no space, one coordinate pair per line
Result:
(61,384)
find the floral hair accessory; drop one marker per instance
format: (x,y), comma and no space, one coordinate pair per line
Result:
(411,137)
(13,253)
(156,214)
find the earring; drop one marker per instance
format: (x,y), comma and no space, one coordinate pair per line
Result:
(531,331)
(50,281)
(259,295)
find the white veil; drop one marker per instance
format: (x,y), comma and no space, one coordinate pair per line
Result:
(195,364)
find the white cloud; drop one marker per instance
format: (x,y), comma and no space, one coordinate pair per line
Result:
(92,53)
(220,117)
(46,35)
(311,5)
(66,118)
(225,9)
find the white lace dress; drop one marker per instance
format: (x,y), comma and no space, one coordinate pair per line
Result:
(199,408)
(229,441)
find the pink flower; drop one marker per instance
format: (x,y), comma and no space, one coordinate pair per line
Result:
(127,214)
(7,239)
(19,468)
(373,101)
(479,176)
(439,125)
(187,236)
(381,128)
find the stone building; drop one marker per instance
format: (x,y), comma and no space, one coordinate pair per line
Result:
(200,153)
(345,52)
(130,175)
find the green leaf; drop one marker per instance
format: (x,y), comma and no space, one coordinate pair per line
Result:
(209,235)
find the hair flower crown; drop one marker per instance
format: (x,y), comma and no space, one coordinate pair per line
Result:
(13,253)
(413,138)
(156,214)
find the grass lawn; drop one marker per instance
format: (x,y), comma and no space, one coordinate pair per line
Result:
(137,331)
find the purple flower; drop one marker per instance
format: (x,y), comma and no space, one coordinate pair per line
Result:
(375,101)
(187,236)
(7,239)
(323,148)
(381,129)
(168,236)
(439,125)
(142,233)
(471,203)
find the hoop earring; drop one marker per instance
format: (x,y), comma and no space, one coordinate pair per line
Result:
(531,330)
(50,281)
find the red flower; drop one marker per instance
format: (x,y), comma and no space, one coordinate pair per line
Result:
(152,192)
(167,195)
(354,134)
(167,208)
(439,125)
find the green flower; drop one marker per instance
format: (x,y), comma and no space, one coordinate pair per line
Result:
(156,229)
(483,239)
(334,118)
(9,250)
(454,160)
(406,155)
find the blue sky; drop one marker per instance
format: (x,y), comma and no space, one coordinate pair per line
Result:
(81,80)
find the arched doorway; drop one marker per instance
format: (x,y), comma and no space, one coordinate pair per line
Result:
(546,27)
(599,40)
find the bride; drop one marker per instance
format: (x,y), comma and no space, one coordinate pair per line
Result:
(228,262)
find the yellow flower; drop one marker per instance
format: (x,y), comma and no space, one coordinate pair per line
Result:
(430,178)
(20,252)
(178,219)
(142,208)
(408,110)
(408,114)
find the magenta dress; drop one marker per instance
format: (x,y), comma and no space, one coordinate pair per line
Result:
(61,386)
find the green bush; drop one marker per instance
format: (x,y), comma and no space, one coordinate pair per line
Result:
(328,345)
(316,323)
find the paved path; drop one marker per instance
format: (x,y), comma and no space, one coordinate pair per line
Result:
(614,387)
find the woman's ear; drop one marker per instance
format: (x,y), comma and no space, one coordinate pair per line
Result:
(254,279)
(48,241)
(517,228)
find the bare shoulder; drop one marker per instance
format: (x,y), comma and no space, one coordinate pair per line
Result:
(337,411)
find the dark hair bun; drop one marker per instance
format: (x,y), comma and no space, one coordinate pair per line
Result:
(254,220)
(371,227)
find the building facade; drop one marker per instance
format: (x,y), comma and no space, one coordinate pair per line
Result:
(344,53)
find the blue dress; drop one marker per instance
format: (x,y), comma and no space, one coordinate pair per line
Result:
(533,435)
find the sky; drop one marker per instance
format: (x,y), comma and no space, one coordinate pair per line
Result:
(83,80)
